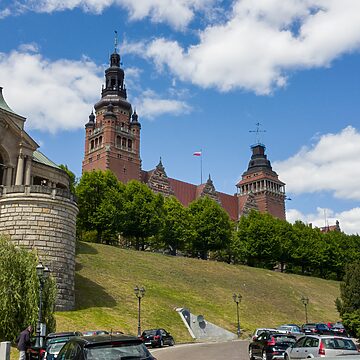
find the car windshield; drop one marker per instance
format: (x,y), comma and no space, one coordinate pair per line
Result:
(149,332)
(55,347)
(284,339)
(121,351)
(338,343)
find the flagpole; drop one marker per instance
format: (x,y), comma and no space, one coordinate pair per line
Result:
(201,166)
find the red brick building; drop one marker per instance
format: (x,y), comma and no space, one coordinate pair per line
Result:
(112,141)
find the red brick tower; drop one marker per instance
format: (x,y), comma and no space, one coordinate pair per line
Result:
(112,139)
(260,187)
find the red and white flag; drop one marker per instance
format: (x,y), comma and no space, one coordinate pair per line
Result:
(197,153)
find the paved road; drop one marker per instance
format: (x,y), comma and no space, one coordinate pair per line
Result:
(231,350)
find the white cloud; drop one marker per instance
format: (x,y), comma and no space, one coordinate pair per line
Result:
(177,13)
(262,41)
(349,220)
(5,13)
(150,105)
(53,95)
(332,164)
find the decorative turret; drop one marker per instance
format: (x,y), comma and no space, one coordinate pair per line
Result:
(91,122)
(110,112)
(114,76)
(134,119)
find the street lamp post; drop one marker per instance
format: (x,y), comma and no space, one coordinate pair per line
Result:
(305,301)
(42,273)
(237,298)
(139,292)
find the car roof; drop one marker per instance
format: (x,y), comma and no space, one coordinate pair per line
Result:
(63,334)
(105,339)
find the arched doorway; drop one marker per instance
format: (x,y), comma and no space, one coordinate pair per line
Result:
(2,170)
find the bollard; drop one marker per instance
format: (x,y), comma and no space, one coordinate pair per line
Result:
(5,350)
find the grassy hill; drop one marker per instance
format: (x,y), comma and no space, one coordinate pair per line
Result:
(106,276)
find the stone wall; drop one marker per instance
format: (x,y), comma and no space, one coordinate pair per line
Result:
(44,219)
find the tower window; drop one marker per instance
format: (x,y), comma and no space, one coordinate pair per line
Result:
(90,159)
(92,144)
(98,156)
(100,140)
(118,141)
(96,142)
(130,144)
(123,143)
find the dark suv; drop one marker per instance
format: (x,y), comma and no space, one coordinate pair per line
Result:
(109,347)
(270,345)
(157,337)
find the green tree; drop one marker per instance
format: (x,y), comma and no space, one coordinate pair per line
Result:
(141,213)
(99,195)
(19,291)
(258,241)
(211,227)
(176,231)
(71,176)
(349,303)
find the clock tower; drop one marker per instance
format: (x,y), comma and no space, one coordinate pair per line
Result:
(112,134)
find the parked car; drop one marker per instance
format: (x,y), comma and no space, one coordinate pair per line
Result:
(289,329)
(308,328)
(310,346)
(270,345)
(110,347)
(157,337)
(339,329)
(65,334)
(54,346)
(258,331)
(39,353)
(317,328)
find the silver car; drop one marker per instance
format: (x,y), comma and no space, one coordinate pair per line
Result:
(311,346)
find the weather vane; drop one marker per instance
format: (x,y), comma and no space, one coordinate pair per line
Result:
(257,131)
(116,40)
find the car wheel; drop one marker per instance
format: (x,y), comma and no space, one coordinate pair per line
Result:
(251,357)
(161,343)
(264,357)
(172,342)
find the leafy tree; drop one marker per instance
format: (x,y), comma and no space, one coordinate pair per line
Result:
(176,231)
(99,196)
(141,214)
(211,227)
(19,291)
(349,303)
(71,176)
(257,240)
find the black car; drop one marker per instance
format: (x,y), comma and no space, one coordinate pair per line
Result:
(109,347)
(38,353)
(270,345)
(157,337)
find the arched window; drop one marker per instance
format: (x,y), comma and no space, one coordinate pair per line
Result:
(118,141)
(123,142)
(92,144)
(96,142)
(100,141)
(130,144)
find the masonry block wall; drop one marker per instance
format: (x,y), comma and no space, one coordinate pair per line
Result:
(44,219)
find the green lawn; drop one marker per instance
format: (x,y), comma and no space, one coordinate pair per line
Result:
(106,276)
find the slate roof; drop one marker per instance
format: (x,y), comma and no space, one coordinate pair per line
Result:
(42,159)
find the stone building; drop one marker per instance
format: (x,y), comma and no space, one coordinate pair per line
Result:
(112,142)
(37,209)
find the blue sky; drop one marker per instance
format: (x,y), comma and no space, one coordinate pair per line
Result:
(201,74)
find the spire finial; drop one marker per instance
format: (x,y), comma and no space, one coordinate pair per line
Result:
(116,42)
(257,131)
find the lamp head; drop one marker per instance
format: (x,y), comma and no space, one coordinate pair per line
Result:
(40,270)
